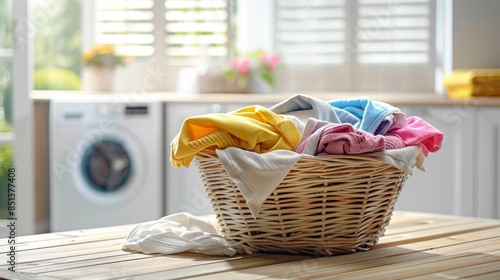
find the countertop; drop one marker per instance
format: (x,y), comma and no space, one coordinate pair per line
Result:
(415,246)
(393,98)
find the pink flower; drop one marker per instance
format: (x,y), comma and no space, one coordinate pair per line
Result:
(271,60)
(242,65)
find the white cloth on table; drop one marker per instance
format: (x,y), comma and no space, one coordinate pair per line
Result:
(178,233)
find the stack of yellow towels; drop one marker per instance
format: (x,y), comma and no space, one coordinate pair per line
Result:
(465,83)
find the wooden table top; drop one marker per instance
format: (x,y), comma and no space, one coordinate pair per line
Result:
(415,246)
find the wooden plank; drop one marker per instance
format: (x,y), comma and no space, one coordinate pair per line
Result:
(401,219)
(88,260)
(487,276)
(423,224)
(175,265)
(402,269)
(480,270)
(61,252)
(29,246)
(214,270)
(433,233)
(119,231)
(5,274)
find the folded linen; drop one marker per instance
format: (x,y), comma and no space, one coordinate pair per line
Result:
(176,233)
(331,138)
(253,128)
(372,116)
(419,132)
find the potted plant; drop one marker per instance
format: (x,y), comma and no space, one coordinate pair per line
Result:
(257,68)
(99,64)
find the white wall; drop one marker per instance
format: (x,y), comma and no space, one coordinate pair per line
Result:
(476,40)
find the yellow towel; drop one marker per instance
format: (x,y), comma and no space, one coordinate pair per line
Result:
(465,83)
(471,77)
(472,91)
(252,128)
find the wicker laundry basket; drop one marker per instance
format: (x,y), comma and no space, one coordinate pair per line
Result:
(326,205)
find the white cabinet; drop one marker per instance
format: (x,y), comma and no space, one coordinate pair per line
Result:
(447,185)
(184,189)
(487,165)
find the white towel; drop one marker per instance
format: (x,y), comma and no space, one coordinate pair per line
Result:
(256,175)
(178,233)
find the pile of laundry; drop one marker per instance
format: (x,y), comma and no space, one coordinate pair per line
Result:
(258,146)
(306,125)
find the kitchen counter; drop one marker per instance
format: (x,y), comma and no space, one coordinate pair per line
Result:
(393,98)
(417,245)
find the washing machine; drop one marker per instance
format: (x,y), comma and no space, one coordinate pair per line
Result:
(106,161)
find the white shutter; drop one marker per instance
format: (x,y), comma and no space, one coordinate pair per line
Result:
(128,24)
(196,28)
(393,31)
(311,32)
(367,45)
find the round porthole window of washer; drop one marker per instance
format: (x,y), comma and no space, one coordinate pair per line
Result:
(106,166)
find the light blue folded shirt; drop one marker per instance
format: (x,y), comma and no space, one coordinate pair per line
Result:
(372,116)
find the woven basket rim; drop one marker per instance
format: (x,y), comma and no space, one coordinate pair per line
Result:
(321,157)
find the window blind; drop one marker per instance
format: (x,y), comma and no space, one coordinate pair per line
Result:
(393,31)
(384,31)
(196,28)
(311,32)
(128,24)
(192,28)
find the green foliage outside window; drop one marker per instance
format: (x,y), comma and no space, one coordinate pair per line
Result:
(57,44)
(6,162)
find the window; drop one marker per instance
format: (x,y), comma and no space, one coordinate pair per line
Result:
(196,28)
(179,29)
(311,32)
(127,24)
(16,138)
(162,36)
(57,44)
(393,32)
(6,135)
(363,45)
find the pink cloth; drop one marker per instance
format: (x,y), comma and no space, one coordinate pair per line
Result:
(346,139)
(419,132)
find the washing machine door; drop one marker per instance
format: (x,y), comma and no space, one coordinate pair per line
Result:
(106,166)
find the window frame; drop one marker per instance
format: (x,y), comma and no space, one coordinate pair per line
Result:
(21,139)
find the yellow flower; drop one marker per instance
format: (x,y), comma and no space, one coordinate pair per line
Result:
(105,49)
(103,56)
(88,55)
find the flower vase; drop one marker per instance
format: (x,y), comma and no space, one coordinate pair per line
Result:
(98,78)
(258,84)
